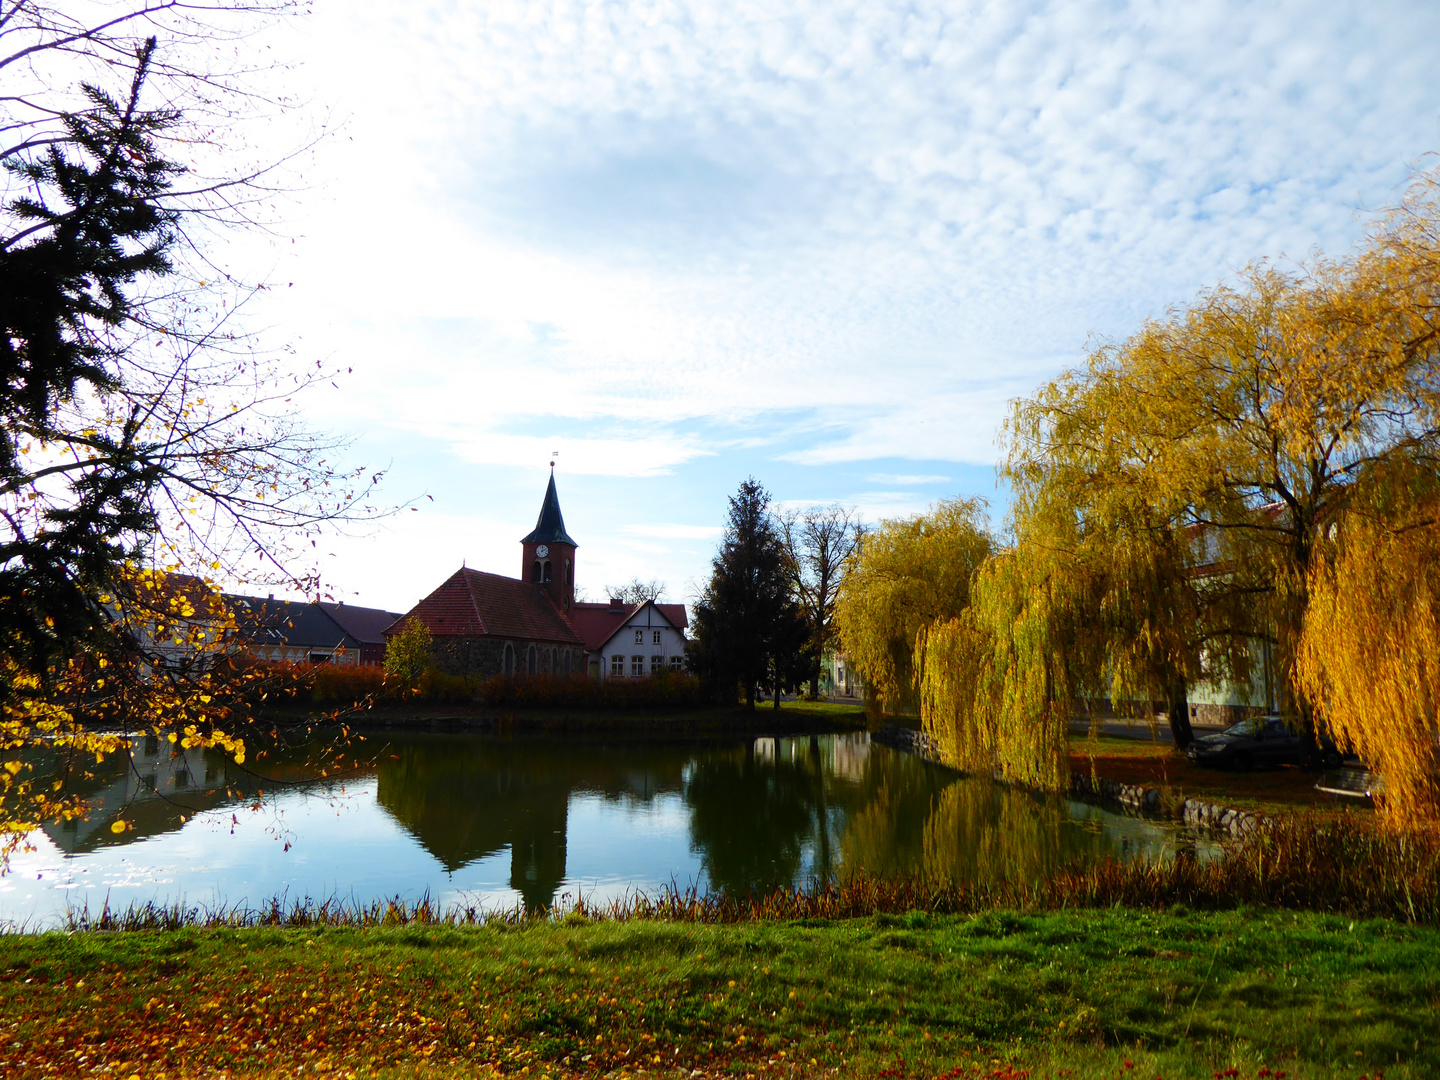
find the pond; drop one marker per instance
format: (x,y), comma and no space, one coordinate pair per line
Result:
(496,821)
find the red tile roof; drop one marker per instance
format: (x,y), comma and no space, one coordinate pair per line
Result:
(597,623)
(472,603)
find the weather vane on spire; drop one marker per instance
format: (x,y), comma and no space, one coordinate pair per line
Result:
(553,455)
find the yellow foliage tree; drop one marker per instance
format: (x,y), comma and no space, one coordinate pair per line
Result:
(906,575)
(1180,496)
(1369,652)
(408,654)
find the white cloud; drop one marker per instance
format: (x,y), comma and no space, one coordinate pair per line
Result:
(818,235)
(673,532)
(906,479)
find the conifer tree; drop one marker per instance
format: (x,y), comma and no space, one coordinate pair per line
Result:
(744,622)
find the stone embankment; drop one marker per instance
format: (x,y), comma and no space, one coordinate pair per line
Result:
(920,743)
(1193,812)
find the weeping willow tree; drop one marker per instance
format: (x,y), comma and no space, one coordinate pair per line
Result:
(1370,647)
(1183,497)
(906,575)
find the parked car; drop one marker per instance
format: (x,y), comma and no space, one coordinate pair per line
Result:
(1256,742)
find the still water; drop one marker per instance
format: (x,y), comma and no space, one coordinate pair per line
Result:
(496,821)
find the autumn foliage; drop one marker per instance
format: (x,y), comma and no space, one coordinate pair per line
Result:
(1249,484)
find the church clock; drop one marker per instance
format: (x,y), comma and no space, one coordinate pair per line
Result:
(542,551)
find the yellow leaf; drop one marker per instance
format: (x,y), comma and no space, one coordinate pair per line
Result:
(12,767)
(118,826)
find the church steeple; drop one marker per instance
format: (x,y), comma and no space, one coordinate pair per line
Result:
(550,525)
(548,552)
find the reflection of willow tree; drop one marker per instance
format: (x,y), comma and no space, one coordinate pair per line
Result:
(464,799)
(885,835)
(917,818)
(750,819)
(983,833)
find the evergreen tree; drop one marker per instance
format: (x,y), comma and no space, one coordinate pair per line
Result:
(744,623)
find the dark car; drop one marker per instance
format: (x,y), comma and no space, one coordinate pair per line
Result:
(1256,742)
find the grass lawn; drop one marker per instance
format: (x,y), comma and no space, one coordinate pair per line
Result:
(1080,994)
(1158,764)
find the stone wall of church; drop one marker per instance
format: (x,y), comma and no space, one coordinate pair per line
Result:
(484,657)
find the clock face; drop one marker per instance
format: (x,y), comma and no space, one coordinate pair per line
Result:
(542,551)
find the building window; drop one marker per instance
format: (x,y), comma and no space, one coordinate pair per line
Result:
(657,665)
(532,660)
(547,571)
(509,663)
(657,638)
(637,666)
(639,637)
(567,663)
(535,571)
(569,573)
(675,662)
(319,658)
(617,666)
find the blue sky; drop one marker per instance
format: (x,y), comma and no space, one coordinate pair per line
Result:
(821,244)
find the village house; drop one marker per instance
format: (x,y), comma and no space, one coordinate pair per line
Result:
(484,625)
(300,632)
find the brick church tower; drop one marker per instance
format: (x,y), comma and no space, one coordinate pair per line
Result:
(548,557)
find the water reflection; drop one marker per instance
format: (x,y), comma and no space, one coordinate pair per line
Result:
(750,814)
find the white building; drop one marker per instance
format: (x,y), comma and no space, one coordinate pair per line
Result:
(645,643)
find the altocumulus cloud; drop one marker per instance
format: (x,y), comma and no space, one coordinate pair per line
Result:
(829,233)
(721,206)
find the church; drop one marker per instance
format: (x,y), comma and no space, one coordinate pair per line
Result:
(486,625)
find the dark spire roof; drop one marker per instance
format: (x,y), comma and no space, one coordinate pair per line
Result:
(550,526)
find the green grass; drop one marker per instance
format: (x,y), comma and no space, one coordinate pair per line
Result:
(1173,993)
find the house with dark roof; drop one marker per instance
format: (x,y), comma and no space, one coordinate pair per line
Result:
(483,625)
(309,633)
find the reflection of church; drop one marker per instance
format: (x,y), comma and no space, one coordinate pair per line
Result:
(465,799)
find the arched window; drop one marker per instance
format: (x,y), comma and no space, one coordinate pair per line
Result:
(509,659)
(532,659)
(547,571)
(567,662)
(569,573)
(535,570)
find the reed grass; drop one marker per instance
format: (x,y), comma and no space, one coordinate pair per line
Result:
(1300,864)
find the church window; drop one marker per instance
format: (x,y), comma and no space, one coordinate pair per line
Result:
(675,662)
(617,666)
(547,571)
(509,667)
(569,573)
(567,663)
(657,665)
(637,666)
(657,638)
(639,637)
(535,571)
(532,660)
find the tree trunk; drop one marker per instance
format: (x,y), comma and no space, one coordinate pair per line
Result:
(777,690)
(1179,707)
(750,696)
(815,687)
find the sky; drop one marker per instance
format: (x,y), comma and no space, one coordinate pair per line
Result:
(821,244)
